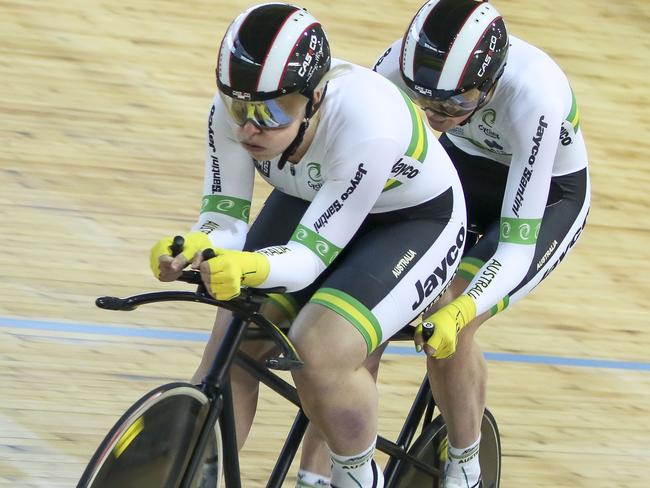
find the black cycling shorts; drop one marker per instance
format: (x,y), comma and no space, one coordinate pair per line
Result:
(395,264)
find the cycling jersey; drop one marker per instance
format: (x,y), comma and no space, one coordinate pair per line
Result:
(530,125)
(366,157)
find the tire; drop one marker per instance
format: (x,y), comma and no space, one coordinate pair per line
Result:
(150,445)
(431,448)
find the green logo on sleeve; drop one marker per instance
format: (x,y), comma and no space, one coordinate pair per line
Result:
(519,231)
(320,246)
(237,208)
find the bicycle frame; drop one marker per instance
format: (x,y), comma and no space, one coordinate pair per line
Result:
(216,386)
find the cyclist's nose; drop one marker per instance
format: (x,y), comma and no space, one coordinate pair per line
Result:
(250,129)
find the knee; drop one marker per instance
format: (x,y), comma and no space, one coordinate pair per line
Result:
(325,362)
(327,342)
(316,355)
(372,362)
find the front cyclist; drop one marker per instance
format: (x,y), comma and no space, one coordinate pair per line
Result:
(364,228)
(512,128)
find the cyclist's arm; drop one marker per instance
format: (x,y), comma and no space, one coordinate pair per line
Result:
(351,186)
(227,184)
(535,138)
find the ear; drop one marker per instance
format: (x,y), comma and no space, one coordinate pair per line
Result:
(318,95)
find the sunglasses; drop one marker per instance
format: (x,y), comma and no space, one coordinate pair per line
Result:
(449,103)
(273,114)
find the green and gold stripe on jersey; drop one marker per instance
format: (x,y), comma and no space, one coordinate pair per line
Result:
(418,145)
(286,304)
(391,183)
(354,311)
(501,306)
(574,114)
(468,268)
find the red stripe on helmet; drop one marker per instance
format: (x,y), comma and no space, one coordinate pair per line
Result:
(286,63)
(469,59)
(266,56)
(230,55)
(423,24)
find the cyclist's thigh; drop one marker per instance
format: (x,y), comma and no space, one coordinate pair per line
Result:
(562,224)
(394,268)
(274,225)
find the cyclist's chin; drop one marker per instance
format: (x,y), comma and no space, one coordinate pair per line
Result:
(444,124)
(261,153)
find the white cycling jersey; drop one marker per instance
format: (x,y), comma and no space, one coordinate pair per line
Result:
(531,124)
(371,153)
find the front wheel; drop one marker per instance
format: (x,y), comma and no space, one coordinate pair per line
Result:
(151,444)
(431,449)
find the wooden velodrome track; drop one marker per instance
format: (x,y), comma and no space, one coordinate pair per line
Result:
(103,109)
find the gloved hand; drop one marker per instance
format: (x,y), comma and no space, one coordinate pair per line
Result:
(164,266)
(229,270)
(443,327)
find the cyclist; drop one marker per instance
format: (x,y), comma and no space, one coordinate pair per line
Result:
(511,126)
(364,227)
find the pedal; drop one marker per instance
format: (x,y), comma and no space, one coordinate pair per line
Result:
(283,364)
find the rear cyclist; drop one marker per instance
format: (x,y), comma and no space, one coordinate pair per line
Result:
(366,208)
(512,129)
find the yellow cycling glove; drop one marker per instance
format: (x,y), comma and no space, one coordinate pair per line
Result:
(229,270)
(447,322)
(160,248)
(194,242)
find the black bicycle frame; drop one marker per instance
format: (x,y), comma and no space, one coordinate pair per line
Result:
(422,408)
(216,386)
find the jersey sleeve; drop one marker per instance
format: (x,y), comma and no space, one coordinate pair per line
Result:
(227,185)
(534,130)
(353,182)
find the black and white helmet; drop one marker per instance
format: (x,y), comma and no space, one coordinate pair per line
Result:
(452,46)
(271,50)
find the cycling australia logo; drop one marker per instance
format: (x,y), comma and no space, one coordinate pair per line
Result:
(489,116)
(314,178)
(487,120)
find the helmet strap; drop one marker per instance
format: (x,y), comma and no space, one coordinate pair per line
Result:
(485,96)
(310,110)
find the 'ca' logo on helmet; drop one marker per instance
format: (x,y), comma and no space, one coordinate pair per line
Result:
(309,57)
(488,56)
